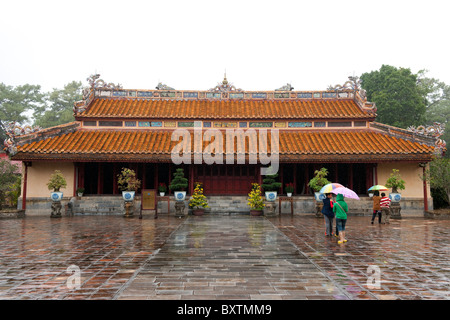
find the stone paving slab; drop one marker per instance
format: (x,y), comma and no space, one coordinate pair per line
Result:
(222,257)
(412,254)
(229,257)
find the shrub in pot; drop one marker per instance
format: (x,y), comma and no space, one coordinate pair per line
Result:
(128,183)
(179,184)
(57,181)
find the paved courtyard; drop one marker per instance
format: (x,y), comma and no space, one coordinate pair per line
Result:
(222,257)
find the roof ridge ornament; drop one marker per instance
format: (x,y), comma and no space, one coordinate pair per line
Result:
(436,130)
(225,86)
(287,87)
(162,86)
(96,83)
(352,84)
(12,130)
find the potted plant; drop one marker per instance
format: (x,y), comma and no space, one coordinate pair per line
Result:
(198,200)
(128,184)
(80,192)
(255,200)
(271,186)
(318,182)
(179,184)
(396,183)
(162,188)
(56,182)
(289,189)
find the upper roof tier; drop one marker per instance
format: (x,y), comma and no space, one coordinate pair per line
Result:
(223,102)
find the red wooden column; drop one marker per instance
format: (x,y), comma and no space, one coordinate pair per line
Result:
(100,179)
(369,175)
(115,173)
(295,178)
(307,178)
(350,180)
(425,193)
(25,179)
(191,179)
(281,180)
(75,178)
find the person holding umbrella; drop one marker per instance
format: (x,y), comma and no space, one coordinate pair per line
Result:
(340,208)
(328,214)
(376,201)
(376,206)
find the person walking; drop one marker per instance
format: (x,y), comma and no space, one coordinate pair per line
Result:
(376,206)
(385,204)
(328,214)
(340,208)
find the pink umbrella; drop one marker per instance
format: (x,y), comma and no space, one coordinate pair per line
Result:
(346,192)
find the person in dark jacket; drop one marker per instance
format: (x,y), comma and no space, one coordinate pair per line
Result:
(328,214)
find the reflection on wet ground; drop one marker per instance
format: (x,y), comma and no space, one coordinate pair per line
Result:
(222,257)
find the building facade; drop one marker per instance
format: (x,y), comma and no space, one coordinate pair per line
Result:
(224,136)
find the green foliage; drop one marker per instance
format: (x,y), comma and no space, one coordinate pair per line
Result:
(270,183)
(438,104)
(438,175)
(162,187)
(16,101)
(58,108)
(399,98)
(395,181)
(289,188)
(8,180)
(127,180)
(179,182)
(319,179)
(57,181)
(80,190)
(13,194)
(198,199)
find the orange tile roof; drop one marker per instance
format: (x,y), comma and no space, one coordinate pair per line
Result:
(223,109)
(156,145)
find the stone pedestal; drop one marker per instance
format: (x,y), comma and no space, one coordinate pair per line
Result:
(270,208)
(129,209)
(56,209)
(318,209)
(395,210)
(180,206)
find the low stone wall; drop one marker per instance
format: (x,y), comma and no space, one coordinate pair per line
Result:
(226,205)
(12,213)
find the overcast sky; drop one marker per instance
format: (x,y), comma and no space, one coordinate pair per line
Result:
(188,44)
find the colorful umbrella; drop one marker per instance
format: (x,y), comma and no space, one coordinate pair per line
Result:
(346,192)
(329,187)
(378,187)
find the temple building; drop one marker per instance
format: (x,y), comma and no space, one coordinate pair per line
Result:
(116,128)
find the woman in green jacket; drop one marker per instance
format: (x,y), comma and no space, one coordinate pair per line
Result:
(340,209)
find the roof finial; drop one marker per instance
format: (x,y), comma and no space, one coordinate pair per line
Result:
(225,81)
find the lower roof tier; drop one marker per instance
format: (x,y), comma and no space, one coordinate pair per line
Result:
(157,145)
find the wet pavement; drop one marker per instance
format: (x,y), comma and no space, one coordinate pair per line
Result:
(222,257)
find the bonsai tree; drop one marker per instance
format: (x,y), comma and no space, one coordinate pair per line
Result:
(319,179)
(270,183)
(57,181)
(179,183)
(289,188)
(127,180)
(395,182)
(162,187)
(80,190)
(255,200)
(198,199)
